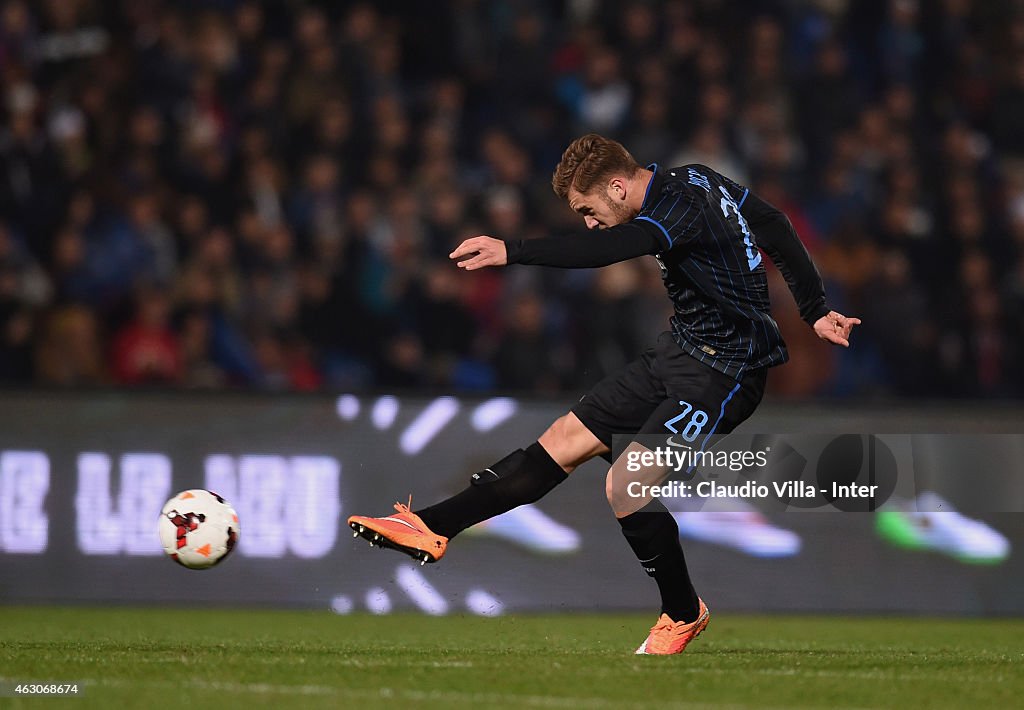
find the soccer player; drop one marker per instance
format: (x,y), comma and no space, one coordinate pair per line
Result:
(707,372)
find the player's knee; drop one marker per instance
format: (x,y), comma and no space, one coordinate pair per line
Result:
(627,491)
(555,434)
(556,442)
(616,490)
(569,442)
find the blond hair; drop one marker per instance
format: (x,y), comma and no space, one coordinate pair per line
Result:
(589,160)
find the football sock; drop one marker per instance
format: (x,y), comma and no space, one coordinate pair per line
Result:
(654,537)
(521,477)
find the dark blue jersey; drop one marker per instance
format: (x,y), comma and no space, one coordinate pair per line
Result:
(706,232)
(712,269)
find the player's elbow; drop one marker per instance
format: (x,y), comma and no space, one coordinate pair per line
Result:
(771,218)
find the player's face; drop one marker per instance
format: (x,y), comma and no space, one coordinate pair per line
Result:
(601,208)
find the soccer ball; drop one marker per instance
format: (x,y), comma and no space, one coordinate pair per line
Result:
(198,528)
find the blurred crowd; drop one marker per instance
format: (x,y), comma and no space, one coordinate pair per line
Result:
(242,194)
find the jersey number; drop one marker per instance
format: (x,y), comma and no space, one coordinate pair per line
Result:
(693,427)
(753,255)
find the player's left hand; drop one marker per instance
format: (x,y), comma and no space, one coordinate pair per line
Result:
(835,328)
(482,251)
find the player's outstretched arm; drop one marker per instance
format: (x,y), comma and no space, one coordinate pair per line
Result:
(478,252)
(581,250)
(835,328)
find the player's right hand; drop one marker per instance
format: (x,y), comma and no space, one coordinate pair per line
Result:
(482,251)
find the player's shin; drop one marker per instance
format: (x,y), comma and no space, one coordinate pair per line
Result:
(523,476)
(654,537)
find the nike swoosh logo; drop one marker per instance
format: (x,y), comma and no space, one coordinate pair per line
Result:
(671,442)
(403,522)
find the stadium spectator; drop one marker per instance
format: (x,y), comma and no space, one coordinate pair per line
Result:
(147,350)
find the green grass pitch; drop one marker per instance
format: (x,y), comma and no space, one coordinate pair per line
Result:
(156,658)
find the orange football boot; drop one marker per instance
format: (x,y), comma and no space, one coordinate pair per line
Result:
(668,637)
(404,531)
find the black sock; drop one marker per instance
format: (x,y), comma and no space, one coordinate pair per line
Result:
(654,537)
(521,477)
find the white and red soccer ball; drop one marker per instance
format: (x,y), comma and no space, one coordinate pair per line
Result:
(198,529)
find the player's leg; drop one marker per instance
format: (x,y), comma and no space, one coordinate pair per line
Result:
(651,532)
(647,525)
(627,404)
(524,476)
